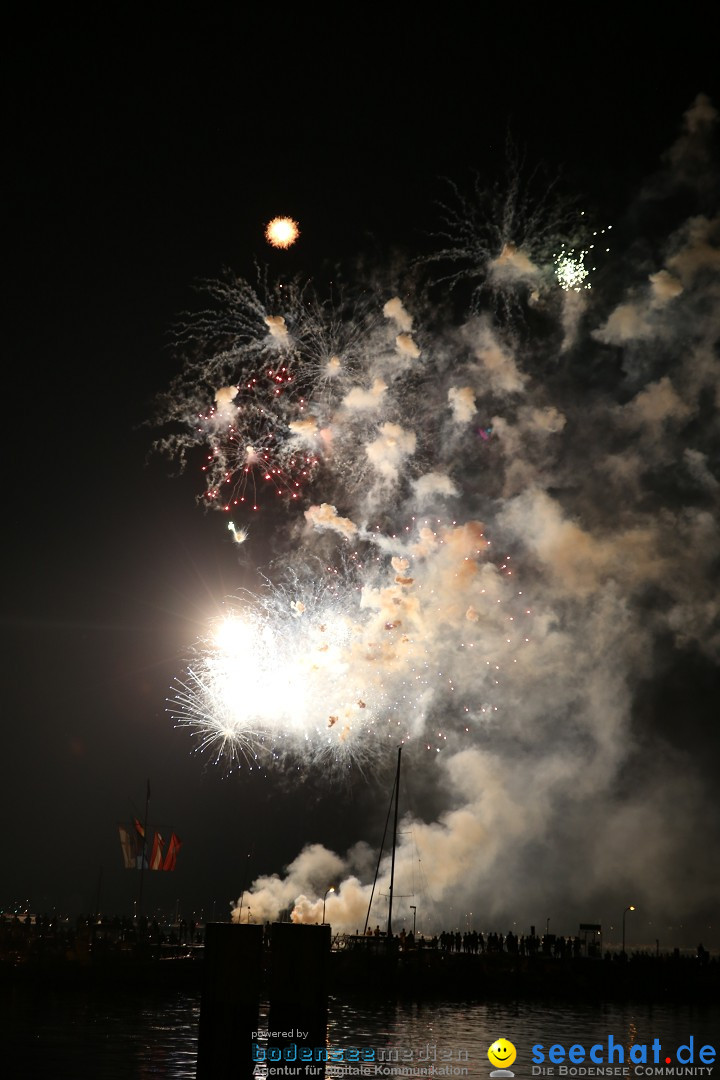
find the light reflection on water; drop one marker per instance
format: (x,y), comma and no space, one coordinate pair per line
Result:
(472,1026)
(55,1035)
(58,1035)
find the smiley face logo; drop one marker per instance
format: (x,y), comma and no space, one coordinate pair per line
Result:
(502,1053)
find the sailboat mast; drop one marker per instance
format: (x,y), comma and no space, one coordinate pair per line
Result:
(394,845)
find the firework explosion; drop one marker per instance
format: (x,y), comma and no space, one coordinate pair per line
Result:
(580,437)
(322,673)
(282,232)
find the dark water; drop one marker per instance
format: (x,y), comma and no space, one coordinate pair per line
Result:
(54,1034)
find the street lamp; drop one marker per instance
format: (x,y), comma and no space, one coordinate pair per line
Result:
(330,889)
(630,907)
(413,908)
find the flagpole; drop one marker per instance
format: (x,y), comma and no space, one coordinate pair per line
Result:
(144,846)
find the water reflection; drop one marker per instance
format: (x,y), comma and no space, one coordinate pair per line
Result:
(78,1035)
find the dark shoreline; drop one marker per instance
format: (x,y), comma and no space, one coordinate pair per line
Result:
(106,955)
(486,977)
(423,976)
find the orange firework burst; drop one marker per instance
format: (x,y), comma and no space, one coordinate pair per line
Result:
(281,232)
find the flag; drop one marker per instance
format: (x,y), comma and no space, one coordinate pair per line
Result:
(141,854)
(156,858)
(129,847)
(172,853)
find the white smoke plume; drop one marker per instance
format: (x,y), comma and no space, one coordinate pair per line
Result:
(389,451)
(394,309)
(433,484)
(327,517)
(462,403)
(361,399)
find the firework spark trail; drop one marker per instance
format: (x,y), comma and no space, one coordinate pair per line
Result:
(585,443)
(500,239)
(267,368)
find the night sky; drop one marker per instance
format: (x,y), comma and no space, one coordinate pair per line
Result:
(142,158)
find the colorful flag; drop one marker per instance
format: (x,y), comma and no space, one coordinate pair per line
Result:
(129,847)
(156,858)
(139,829)
(172,853)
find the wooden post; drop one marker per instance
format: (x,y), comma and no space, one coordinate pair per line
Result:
(232,977)
(298,991)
